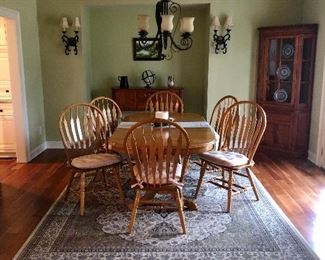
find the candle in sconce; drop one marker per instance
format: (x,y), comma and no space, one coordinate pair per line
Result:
(77,23)
(215,23)
(229,23)
(64,23)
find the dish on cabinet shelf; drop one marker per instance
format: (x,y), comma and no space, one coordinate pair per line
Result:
(283,72)
(280,95)
(287,51)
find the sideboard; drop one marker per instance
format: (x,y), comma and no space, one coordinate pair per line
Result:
(134,99)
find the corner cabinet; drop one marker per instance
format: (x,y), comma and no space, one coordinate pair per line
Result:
(285,83)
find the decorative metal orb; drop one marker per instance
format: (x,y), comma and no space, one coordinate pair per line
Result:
(148,78)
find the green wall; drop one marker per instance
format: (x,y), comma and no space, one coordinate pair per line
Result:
(68,79)
(61,80)
(64,77)
(111,53)
(236,72)
(313,12)
(32,67)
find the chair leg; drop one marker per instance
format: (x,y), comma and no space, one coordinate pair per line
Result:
(252,183)
(134,210)
(67,192)
(223,177)
(180,206)
(229,191)
(203,168)
(117,176)
(82,193)
(104,178)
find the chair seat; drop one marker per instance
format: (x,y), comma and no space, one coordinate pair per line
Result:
(225,158)
(152,181)
(93,161)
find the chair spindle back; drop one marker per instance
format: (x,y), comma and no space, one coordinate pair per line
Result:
(164,101)
(156,149)
(111,112)
(243,126)
(219,109)
(82,130)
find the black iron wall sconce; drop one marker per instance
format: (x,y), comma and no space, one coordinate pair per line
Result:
(221,38)
(70,41)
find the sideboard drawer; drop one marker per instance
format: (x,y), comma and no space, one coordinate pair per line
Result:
(125,99)
(134,99)
(142,97)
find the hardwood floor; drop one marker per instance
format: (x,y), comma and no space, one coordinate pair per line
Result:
(27,191)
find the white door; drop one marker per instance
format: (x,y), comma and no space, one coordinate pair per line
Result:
(17,84)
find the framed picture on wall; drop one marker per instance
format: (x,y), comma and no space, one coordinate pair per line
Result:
(146,50)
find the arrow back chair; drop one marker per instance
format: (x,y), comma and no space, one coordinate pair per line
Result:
(83,132)
(165,101)
(111,112)
(243,125)
(158,157)
(219,109)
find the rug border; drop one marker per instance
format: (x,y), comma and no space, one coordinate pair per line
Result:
(285,217)
(257,181)
(39,224)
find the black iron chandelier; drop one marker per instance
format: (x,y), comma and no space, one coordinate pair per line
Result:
(164,41)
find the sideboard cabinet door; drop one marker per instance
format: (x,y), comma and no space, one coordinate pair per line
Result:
(134,99)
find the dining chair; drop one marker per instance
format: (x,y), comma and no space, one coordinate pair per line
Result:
(219,109)
(111,112)
(215,121)
(164,101)
(158,152)
(83,132)
(243,125)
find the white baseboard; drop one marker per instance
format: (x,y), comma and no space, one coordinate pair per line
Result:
(38,150)
(42,147)
(312,157)
(54,145)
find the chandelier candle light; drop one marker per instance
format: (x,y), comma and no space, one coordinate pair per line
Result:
(220,41)
(70,41)
(165,12)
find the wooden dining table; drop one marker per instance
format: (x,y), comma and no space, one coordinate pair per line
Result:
(202,136)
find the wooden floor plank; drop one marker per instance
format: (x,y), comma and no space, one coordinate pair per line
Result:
(27,191)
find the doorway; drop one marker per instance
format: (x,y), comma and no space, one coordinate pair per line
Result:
(17,84)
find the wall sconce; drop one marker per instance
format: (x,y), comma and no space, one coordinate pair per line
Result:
(70,41)
(220,41)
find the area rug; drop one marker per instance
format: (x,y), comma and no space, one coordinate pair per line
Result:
(253,229)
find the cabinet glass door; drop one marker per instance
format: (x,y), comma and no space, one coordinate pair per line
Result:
(280,70)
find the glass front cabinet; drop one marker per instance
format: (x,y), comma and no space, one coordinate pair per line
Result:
(284,87)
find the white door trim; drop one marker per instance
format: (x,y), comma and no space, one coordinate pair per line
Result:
(321,150)
(16,67)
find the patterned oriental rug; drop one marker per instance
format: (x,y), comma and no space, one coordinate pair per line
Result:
(253,230)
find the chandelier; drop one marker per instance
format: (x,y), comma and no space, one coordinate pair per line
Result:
(164,40)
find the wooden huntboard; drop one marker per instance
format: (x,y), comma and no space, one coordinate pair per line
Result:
(134,99)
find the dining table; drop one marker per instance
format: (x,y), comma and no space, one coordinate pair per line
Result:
(202,136)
